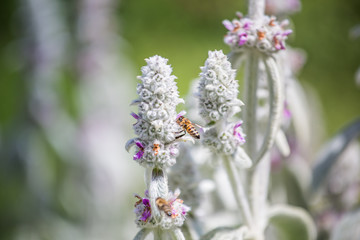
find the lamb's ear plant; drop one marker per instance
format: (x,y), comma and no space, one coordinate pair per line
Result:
(243,147)
(159,211)
(255,40)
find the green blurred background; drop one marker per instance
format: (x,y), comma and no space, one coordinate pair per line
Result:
(182,31)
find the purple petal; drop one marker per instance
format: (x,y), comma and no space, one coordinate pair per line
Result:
(146,214)
(138,155)
(229,39)
(239,15)
(237,125)
(247,25)
(139,144)
(146,201)
(147,193)
(287,32)
(242,39)
(282,46)
(287,113)
(134,115)
(228,25)
(182,113)
(237,134)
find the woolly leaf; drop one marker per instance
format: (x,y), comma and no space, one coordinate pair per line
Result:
(287,222)
(331,152)
(348,227)
(220,233)
(292,182)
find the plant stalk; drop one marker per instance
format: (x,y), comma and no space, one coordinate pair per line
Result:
(251,82)
(239,192)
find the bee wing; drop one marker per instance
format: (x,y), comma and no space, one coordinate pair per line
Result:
(185,139)
(182,113)
(201,129)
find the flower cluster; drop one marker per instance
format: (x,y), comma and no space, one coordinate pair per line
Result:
(218,100)
(142,210)
(266,34)
(144,217)
(218,88)
(227,140)
(156,120)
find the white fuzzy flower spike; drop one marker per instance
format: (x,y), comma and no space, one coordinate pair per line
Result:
(157,148)
(218,91)
(218,88)
(156,121)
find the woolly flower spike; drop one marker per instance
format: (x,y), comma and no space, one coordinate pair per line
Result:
(218,92)
(266,34)
(156,120)
(172,209)
(218,88)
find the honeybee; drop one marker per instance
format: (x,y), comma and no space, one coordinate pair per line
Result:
(164,205)
(156,148)
(187,126)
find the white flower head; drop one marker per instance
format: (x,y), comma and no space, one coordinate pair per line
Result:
(218,91)
(156,119)
(265,34)
(172,216)
(227,140)
(218,88)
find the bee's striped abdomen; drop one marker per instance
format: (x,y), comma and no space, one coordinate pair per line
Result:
(193,132)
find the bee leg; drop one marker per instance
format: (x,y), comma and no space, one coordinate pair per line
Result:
(182,133)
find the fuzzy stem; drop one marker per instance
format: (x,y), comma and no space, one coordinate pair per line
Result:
(158,187)
(256,9)
(251,82)
(177,234)
(141,235)
(276,100)
(157,233)
(188,230)
(239,192)
(259,191)
(148,176)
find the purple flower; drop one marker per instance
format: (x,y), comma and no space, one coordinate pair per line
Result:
(287,113)
(134,115)
(247,25)
(278,42)
(242,38)
(142,208)
(139,144)
(228,25)
(287,32)
(147,211)
(238,134)
(140,153)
